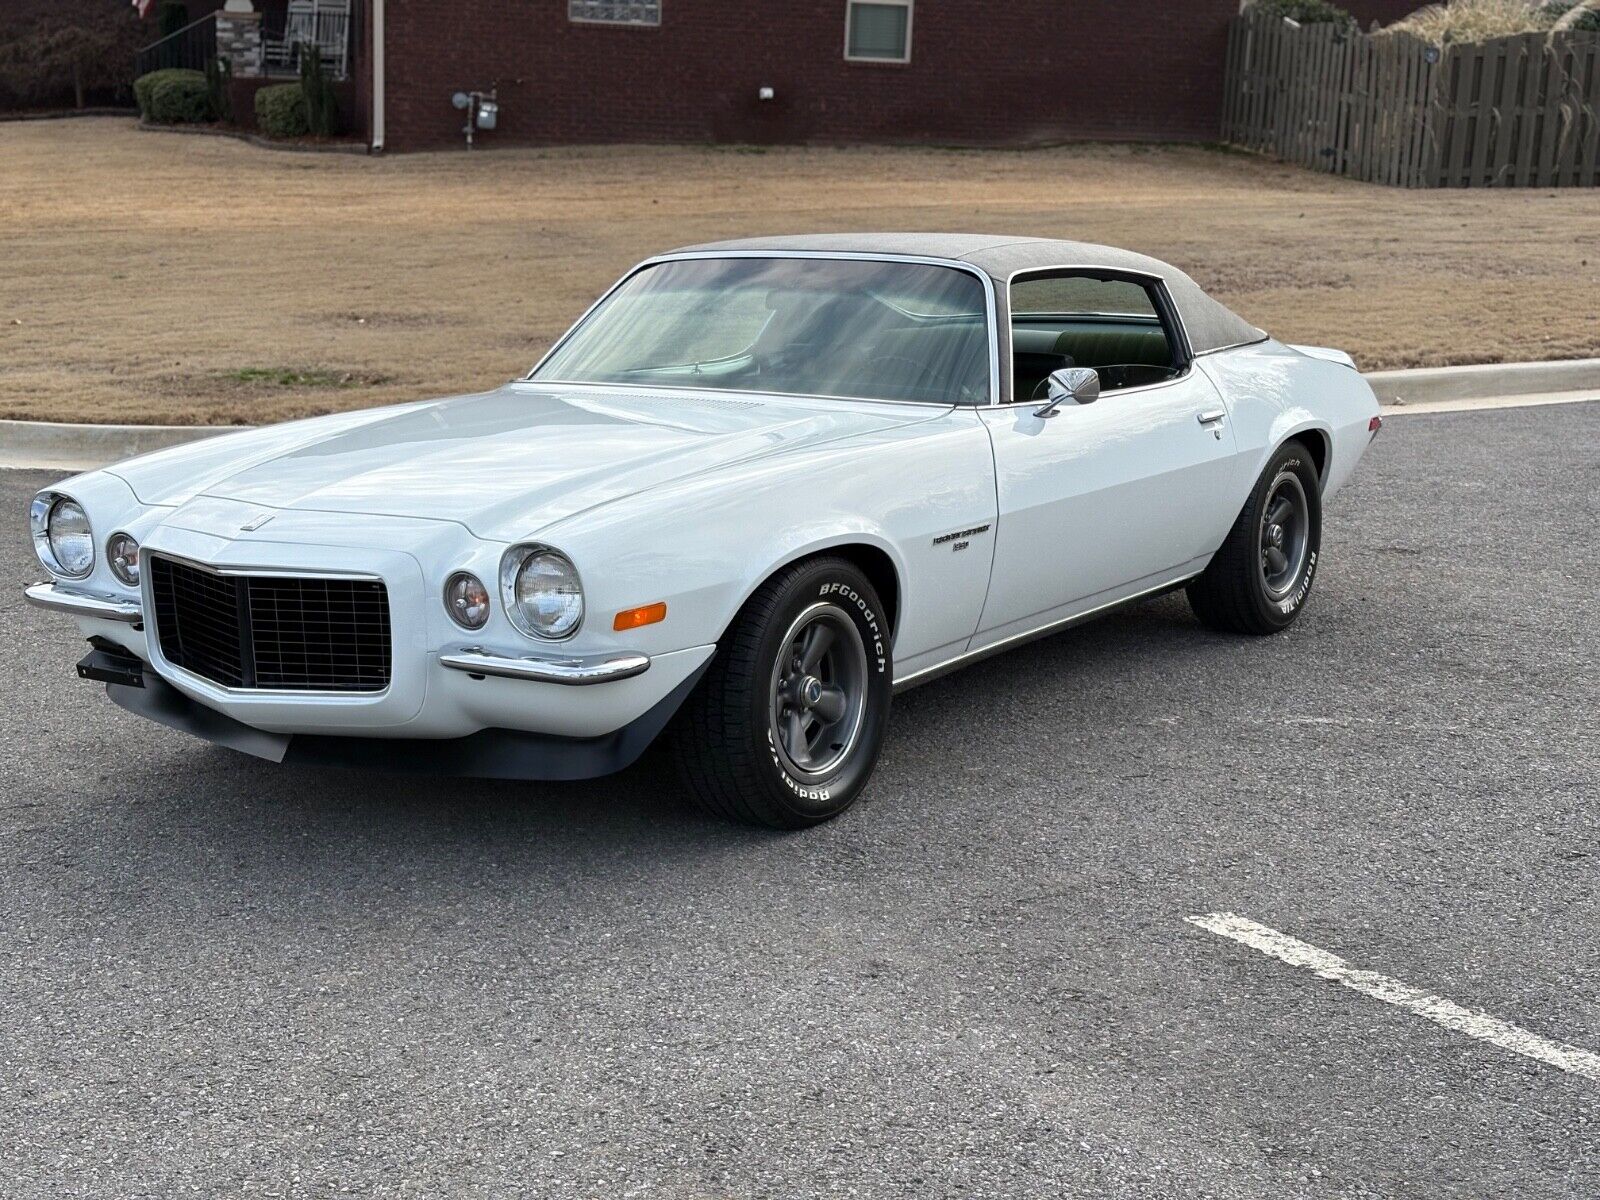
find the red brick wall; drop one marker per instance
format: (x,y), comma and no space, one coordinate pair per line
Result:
(1015,72)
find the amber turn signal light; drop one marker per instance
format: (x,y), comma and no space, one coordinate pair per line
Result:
(633,618)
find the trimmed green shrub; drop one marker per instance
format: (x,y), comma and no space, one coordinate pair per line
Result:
(141,93)
(143,84)
(321,110)
(281,111)
(173,97)
(1306,12)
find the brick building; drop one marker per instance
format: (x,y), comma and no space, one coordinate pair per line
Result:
(952,72)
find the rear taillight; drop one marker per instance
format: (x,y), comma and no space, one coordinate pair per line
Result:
(1374,425)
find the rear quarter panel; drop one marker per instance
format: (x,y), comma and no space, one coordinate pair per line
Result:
(1274,392)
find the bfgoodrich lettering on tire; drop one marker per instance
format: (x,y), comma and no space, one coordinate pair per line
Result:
(1260,579)
(785,728)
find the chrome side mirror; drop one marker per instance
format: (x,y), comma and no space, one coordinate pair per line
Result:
(1078,384)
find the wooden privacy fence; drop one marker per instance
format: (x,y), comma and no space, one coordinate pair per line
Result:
(1513,112)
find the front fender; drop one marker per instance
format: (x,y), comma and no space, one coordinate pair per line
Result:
(704,544)
(783,551)
(112,508)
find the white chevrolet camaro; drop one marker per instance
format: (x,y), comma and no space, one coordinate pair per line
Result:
(756,489)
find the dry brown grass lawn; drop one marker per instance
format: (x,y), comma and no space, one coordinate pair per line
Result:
(156,278)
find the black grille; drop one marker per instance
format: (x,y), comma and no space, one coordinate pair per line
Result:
(281,634)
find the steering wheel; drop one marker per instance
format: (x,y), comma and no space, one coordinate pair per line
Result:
(1121,375)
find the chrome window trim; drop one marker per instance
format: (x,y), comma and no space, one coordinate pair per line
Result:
(849,14)
(696,392)
(1158,281)
(165,667)
(1265,337)
(987,281)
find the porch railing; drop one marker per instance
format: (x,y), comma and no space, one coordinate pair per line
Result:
(324,24)
(192,47)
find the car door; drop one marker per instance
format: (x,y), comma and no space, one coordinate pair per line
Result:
(1103,500)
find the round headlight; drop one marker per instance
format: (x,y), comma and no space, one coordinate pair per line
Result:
(466,600)
(122,552)
(542,592)
(61,535)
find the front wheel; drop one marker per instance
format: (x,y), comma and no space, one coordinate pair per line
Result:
(1260,579)
(785,728)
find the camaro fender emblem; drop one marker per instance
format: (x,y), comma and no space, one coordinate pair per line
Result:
(962,538)
(256,522)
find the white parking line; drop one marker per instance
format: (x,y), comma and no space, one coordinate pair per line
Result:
(1392,991)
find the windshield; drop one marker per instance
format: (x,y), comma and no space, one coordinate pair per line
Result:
(801,326)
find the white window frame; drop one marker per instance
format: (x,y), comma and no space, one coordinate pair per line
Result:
(609,23)
(849,18)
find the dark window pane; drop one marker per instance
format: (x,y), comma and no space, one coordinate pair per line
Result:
(878,30)
(1076,294)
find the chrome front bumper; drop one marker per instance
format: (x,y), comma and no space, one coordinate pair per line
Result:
(83,604)
(575,671)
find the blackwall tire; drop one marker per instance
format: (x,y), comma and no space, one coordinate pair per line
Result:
(1260,580)
(786,727)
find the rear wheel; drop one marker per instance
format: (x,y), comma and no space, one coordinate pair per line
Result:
(1260,579)
(785,728)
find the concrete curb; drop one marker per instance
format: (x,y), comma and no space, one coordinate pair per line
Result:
(82,447)
(1435,384)
(64,445)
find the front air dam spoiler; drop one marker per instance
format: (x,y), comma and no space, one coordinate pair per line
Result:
(487,754)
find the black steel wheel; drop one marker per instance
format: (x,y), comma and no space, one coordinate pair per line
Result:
(1261,577)
(785,728)
(1284,534)
(817,701)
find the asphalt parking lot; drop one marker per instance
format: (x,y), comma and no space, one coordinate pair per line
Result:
(221,977)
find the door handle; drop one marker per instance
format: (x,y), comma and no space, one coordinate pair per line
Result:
(1212,416)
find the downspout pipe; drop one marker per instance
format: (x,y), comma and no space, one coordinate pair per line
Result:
(377,78)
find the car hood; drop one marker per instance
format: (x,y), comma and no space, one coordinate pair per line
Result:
(504,463)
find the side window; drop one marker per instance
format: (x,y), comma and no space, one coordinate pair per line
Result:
(877,30)
(1118,325)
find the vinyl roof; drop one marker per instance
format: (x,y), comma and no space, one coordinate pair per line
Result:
(1210,325)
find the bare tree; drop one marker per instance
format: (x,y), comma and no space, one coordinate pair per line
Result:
(50,49)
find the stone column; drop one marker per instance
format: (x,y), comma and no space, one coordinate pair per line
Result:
(239,37)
